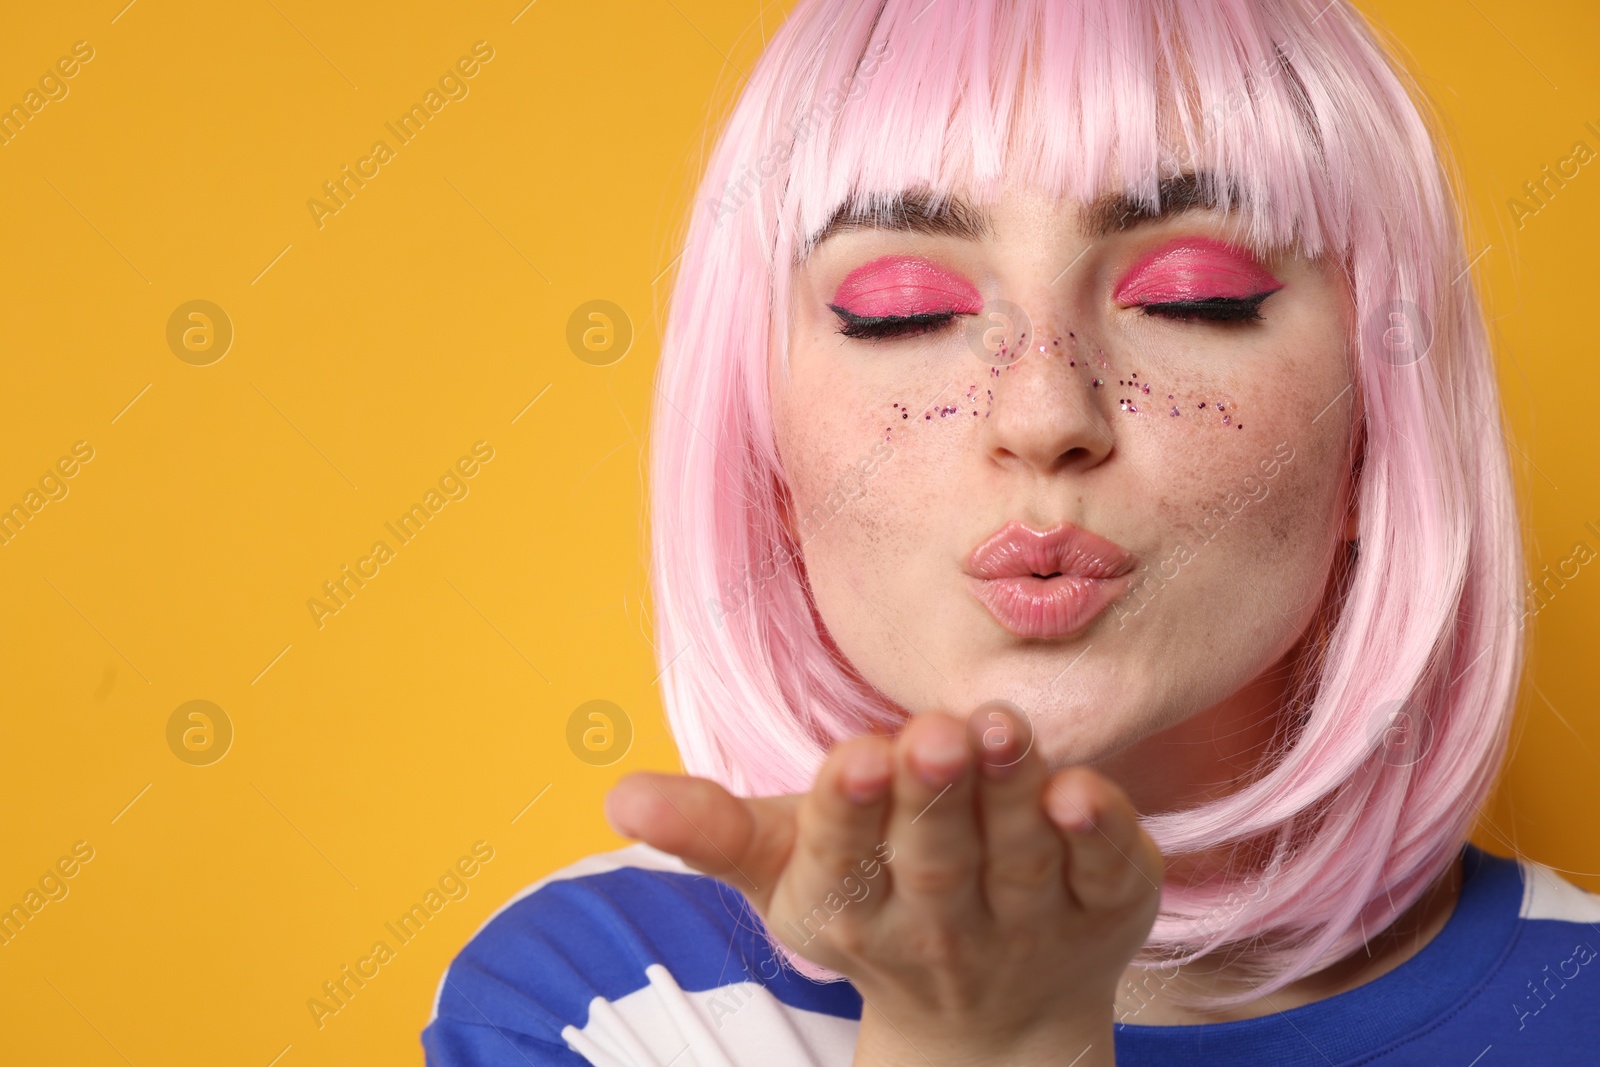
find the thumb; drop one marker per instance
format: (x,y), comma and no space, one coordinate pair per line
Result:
(744,841)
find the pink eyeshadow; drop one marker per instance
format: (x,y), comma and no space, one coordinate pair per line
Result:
(905,285)
(1194,268)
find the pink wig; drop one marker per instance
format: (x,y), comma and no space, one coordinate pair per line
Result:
(1295,118)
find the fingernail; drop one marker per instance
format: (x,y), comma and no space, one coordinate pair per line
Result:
(938,762)
(866,778)
(1001,735)
(1072,816)
(1080,823)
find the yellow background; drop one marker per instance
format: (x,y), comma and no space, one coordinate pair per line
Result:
(369,354)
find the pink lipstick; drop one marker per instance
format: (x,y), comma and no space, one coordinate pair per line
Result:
(1050,583)
(905,285)
(1194,268)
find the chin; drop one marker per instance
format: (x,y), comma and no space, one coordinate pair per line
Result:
(1073,723)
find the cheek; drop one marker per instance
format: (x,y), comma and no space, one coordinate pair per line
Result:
(887,427)
(1247,476)
(1282,517)
(1259,508)
(866,471)
(868,487)
(836,460)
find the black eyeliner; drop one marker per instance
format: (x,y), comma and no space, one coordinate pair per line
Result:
(1214,308)
(887,325)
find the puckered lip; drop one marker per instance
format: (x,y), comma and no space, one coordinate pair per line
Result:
(1017,550)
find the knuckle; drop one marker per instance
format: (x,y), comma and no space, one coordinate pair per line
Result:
(933,879)
(1108,884)
(1030,869)
(826,840)
(825,847)
(1126,880)
(814,814)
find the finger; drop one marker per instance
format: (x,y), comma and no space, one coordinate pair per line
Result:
(840,842)
(934,850)
(1111,860)
(745,841)
(1023,852)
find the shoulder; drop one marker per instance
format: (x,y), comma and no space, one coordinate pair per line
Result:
(1558,937)
(629,949)
(582,931)
(1546,990)
(1547,894)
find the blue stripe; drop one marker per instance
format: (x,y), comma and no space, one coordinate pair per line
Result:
(538,964)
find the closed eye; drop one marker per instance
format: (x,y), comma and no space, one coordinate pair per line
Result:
(883,326)
(1211,308)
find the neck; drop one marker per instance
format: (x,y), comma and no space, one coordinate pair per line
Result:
(1210,755)
(1148,999)
(1207,755)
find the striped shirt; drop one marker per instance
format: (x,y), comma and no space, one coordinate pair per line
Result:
(631,959)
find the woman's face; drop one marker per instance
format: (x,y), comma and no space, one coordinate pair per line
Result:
(1209,448)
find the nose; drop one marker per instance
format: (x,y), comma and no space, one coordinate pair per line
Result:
(1048,414)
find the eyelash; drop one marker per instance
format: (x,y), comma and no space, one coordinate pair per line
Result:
(1212,308)
(1219,309)
(875,327)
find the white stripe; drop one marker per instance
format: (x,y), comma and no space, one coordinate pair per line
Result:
(688,1017)
(1547,895)
(580,1043)
(609,1034)
(660,1025)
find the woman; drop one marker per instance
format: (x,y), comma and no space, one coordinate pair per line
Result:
(1087,578)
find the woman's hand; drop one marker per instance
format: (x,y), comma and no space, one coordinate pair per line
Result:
(984,908)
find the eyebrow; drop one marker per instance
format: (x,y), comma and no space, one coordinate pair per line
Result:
(909,211)
(1116,212)
(920,211)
